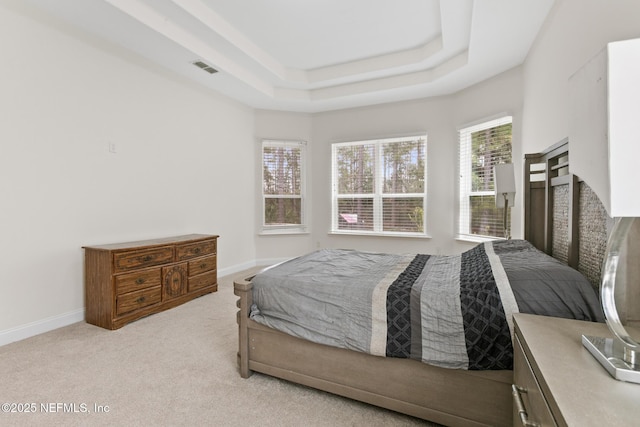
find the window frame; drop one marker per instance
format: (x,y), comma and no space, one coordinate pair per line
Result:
(464,214)
(378,196)
(301,228)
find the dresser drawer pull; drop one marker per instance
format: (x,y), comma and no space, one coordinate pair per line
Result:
(196,250)
(139,281)
(140,300)
(147,258)
(517,399)
(203,265)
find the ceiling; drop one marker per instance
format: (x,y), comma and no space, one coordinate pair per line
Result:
(318,55)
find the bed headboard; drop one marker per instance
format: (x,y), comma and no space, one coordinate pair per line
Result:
(563,216)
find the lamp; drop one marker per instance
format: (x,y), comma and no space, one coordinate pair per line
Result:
(505,187)
(604,150)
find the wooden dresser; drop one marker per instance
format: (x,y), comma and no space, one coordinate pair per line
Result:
(127,281)
(558,382)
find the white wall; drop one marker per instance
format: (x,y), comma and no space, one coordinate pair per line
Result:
(574,32)
(180,165)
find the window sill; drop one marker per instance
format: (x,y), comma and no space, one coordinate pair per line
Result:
(374,234)
(477,239)
(282,232)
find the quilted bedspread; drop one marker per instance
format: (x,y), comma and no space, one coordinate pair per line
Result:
(450,311)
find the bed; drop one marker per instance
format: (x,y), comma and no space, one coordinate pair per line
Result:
(441,363)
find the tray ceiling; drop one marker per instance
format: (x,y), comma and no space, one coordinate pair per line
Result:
(313,55)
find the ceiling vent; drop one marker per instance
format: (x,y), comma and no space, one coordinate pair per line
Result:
(208,68)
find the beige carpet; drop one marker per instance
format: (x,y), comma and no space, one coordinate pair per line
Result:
(173,368)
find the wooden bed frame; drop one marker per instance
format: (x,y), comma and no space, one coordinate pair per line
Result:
(446,396)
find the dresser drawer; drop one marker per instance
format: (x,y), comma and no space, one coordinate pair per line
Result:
(203,280)
(202,265)
(124,261)
(138,299)
(192,250)
(529,403)
(138,280)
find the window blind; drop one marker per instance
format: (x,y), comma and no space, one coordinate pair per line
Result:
(283,184)
(481,147)
(379,186)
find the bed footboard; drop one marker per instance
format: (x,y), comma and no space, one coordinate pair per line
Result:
(242,288)
(446,396)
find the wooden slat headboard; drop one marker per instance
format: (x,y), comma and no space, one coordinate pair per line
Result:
(563,216)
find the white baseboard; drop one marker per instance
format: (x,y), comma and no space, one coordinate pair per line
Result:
(271,261)
(45,325)
(40,326)
(236,268)
(247,265)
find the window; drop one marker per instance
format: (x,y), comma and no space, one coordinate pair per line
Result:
(481,147)
(379,186)
(283,186)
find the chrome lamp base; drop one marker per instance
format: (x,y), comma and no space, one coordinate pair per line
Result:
(619,355)
(620,362)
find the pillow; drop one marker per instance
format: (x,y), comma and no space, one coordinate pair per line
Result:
(546,286)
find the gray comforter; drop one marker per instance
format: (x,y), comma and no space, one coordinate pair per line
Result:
(449,311)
